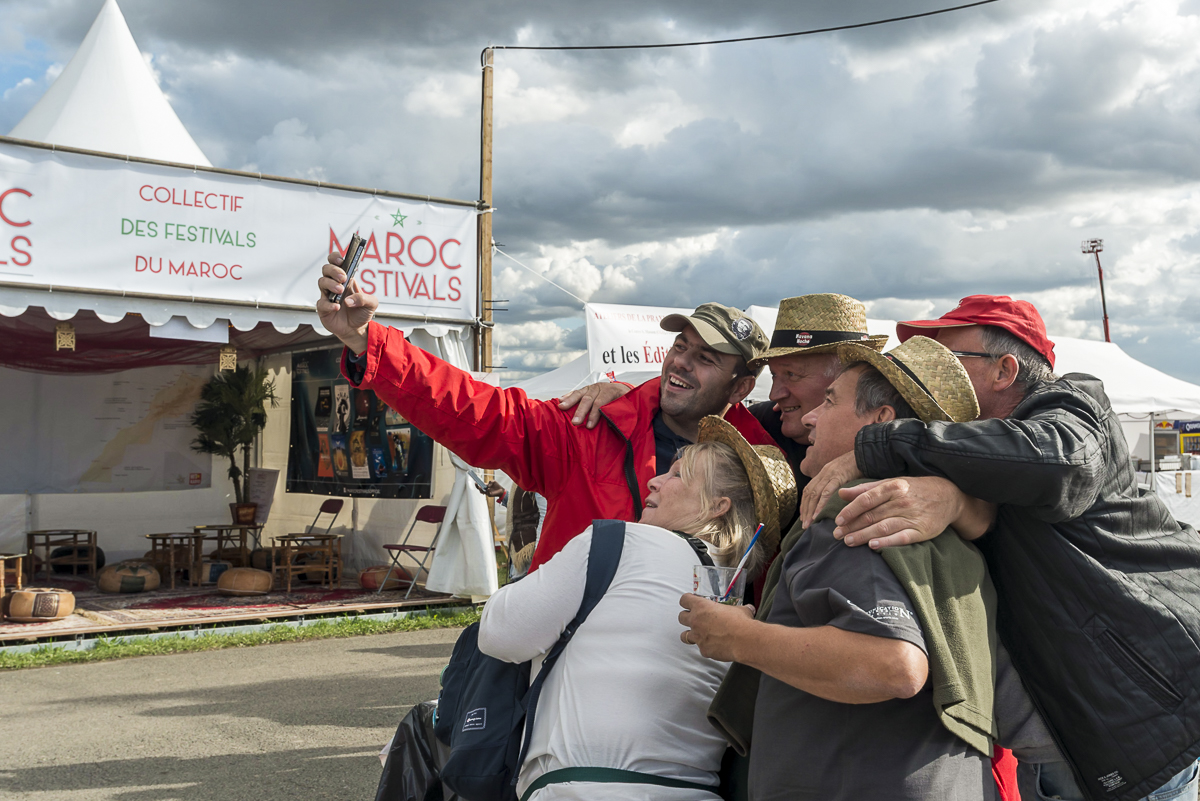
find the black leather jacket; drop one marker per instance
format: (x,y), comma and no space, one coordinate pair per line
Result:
(1098,587)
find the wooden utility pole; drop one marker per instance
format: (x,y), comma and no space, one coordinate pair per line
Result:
(485,219)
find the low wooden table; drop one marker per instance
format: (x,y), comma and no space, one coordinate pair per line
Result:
(168,542)
(328,546)
(49,539)
(224,533)
(5,558)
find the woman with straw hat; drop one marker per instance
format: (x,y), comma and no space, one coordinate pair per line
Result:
(627,693)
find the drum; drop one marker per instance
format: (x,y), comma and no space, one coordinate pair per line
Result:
(129,576)
(39,604)
(245,581)
(265,558)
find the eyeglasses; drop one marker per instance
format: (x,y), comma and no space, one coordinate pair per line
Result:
(961,353)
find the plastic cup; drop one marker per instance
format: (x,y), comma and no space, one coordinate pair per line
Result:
(711,583)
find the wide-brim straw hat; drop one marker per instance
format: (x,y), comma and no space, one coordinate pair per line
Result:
(812,324)
(926,374)
(772,481)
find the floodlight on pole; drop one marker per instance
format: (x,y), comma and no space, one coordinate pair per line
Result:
(1094,246)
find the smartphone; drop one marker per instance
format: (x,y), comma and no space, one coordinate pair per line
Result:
(478,481)
(354,254)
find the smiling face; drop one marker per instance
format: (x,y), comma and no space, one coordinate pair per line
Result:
(834,424)
(697,380)
(798,385)
(672,502)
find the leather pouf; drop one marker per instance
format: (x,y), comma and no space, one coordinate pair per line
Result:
(245,581)
(39,604)
(265,558)
(128,576)
(211,571)
(373,576)
(161,558)
(235,555)
(71,553)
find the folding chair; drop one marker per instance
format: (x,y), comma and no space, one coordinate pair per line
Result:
(331,507)
(426,514)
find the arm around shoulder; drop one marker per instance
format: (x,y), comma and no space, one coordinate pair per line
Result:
(1048,457)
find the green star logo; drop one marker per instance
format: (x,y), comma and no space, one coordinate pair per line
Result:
(398,219)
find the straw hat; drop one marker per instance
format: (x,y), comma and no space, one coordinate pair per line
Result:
(926,374)
(818,324)
(771,479)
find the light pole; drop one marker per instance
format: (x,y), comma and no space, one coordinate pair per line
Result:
(1094,246)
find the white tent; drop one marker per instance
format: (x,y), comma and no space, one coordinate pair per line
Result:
(106,99)
(1137,391)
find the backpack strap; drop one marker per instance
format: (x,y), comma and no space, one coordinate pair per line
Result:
(611,776)
(608,540)
(699,546)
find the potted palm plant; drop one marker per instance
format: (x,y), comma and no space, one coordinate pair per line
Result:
(231,413)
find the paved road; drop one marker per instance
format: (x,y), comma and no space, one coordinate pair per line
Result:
(294,721)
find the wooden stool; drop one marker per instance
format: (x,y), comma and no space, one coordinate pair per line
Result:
(328,546)
(49,539)
(164,545)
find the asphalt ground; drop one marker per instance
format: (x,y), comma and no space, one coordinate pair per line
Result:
(290,721)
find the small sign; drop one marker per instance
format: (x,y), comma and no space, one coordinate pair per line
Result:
(260,484)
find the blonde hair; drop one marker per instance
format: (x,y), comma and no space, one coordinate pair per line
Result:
(715,469)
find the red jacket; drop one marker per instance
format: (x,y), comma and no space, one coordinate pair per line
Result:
(585,474)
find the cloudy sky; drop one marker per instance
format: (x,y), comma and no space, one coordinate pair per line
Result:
(907,165)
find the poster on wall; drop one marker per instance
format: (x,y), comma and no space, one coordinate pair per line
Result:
(346,441)
(116,432)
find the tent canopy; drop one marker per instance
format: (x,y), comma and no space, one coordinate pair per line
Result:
(106,99)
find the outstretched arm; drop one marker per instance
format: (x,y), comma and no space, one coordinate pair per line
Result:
(485,425)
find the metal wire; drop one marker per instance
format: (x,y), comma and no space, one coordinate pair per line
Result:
(743,38)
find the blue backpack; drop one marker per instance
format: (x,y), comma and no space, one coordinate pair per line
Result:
(484,702)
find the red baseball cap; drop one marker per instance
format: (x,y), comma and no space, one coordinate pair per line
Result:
(1017,317)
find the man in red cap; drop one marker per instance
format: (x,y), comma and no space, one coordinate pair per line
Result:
(1098,587)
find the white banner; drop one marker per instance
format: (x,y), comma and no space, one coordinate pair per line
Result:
(622,339)
(72,220)
(116,432)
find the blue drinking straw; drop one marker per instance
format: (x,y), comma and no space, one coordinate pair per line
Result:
(742,563)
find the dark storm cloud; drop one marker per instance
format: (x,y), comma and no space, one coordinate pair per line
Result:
(909,164)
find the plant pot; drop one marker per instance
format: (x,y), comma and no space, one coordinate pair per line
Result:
(243,513)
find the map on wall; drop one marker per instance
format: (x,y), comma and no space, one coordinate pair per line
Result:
(116,432)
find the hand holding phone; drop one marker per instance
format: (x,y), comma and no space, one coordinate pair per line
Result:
(350,261)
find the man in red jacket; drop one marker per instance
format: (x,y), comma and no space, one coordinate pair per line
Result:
(585,474)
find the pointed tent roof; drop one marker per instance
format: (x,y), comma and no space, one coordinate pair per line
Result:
(106,99)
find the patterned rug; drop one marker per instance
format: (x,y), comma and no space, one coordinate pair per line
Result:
(94,609)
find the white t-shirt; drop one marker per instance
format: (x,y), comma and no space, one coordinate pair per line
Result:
(627,692)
